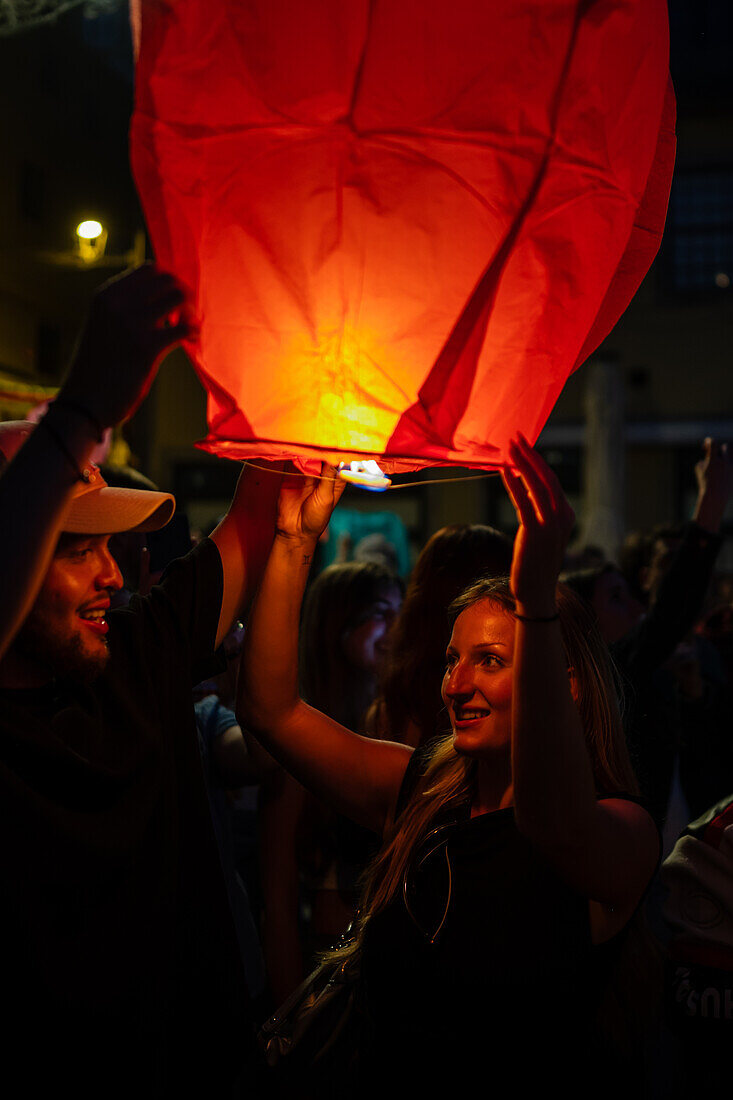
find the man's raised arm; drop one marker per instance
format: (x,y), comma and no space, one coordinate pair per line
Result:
(124,339)
(244,537)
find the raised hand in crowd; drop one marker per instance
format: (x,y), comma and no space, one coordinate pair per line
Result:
(555,795)
(546,522)
(714,476)
(134,320)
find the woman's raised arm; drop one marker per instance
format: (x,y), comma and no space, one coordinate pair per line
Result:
(355,775)
(606,849)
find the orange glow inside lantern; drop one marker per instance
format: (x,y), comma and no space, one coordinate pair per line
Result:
(404,223)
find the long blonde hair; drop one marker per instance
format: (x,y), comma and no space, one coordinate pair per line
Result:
(449,778)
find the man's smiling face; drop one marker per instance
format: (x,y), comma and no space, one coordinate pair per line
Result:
(65,633)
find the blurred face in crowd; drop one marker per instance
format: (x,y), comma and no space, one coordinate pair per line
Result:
(663,552)
(65,633)
(617,610)
(365,643)
(477,685)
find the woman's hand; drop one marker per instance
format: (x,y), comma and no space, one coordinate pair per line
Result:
(545,523)
(306,504)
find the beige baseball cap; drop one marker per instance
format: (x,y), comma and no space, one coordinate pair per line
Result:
(98,508)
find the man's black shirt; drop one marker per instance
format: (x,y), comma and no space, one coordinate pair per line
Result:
(120,968)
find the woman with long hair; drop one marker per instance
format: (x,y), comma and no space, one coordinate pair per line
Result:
(515,856)
(408,706)
(348,613)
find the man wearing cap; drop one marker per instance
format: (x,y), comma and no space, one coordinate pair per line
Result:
(118,960)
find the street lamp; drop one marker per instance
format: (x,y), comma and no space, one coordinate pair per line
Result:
(89,248)
(91,239)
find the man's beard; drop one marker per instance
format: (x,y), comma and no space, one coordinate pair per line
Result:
(61,657)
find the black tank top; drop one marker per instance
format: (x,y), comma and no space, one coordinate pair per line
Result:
(485,954)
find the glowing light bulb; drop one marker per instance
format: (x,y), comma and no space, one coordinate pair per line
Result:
(89,230)
(91,240)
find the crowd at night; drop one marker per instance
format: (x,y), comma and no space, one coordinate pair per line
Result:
(384,739)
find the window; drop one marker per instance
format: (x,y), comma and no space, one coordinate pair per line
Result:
(697,256)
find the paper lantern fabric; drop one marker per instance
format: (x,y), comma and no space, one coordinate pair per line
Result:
(404,222)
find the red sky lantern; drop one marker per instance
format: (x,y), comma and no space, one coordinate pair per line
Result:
(404,222)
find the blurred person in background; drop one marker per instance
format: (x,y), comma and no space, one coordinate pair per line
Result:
(311,858)
(677,730)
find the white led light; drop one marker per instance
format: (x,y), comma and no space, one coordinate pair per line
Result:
(89,230)
(366,475)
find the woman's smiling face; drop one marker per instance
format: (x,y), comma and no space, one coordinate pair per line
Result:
(477,686)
